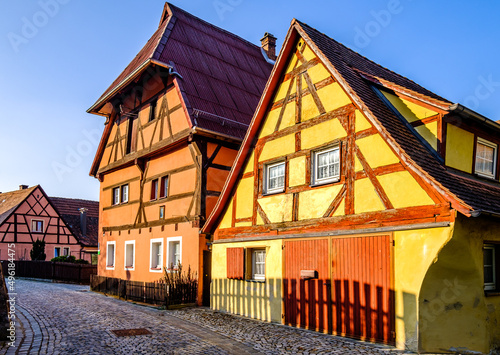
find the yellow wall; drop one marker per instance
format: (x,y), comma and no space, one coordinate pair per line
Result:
(260,300)
(414,252)
(459,148)
(454,311)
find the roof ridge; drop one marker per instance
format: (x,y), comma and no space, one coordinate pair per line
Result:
(184,12)
(371,61)
(74,199)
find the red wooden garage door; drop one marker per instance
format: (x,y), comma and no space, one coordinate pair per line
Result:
(363,302)
(307,301)
(350,296)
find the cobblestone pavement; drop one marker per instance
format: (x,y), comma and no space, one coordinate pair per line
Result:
(58,318)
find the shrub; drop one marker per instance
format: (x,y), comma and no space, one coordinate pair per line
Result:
(64,259)
(38,250)
(81,261)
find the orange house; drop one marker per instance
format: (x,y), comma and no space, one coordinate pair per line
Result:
(68,226)
(175,118)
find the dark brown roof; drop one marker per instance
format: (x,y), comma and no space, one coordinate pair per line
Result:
(474,194)
(9,201)
(68,209)
(223,75)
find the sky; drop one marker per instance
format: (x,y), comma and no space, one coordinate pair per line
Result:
(58,56)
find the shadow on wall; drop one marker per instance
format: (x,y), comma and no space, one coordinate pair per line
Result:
(453,309)
(342,307)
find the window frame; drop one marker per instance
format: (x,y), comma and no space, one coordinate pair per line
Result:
(171,240)
(162,212)
(152,110)
(489,144)
(315,181)
(34,226)
(124,188)
(491,286)
(58,253)
(163,187)
(252,261)
(267,167)
(64,249)
(154,189)
(125,255)
(115,196)
(160,267)
(112,266)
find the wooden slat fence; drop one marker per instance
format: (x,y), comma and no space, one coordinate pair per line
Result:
(79,273)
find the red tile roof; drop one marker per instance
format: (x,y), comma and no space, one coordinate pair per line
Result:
(222,74)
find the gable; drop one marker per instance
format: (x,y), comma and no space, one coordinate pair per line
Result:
(311,113)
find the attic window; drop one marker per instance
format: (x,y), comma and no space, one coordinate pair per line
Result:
(486,158)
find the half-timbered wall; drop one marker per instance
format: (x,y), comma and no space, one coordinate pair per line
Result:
(375,188)
(18,230)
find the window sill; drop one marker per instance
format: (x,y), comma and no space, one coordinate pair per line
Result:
(492,293)
(155,270)
(273,193)
(110,267)
(256,281)
(130,268)
(324,183)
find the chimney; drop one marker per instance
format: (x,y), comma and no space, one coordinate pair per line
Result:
(83,220)
(268,44)
(23,187)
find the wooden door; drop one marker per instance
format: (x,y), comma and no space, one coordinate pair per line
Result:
(363,301)
(307,301)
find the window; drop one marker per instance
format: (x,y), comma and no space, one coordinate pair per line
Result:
(120,194)
(326,166)
(132,135)
(152,111)
(124,194)
(130,254)
(174,252)
(110,255)
(164,187)
(57,252)
(156,257)
(65,251)
(37,226)
(154,189)
(486,158)
(116,196)
(162,212)
(275,178)
(490,265)
(259,264)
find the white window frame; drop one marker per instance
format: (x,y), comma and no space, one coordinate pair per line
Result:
(491,286)
(108,266)
(125,255)
(159,268)
(171,240)
(495,153)
(315,166)
(267,176)
(255,276)
(64,249)
(59,253)
(34,222)
(124,190)
(115,195)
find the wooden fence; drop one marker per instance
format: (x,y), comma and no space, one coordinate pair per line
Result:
(79,273)
(147,292)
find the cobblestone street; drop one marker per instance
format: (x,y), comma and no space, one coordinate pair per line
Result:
(69,319)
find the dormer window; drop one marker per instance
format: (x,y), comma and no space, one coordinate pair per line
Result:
(486,158)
